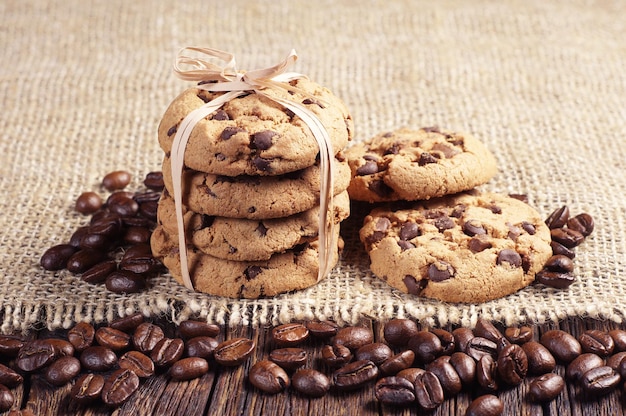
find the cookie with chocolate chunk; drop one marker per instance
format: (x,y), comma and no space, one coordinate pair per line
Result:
(254,135)
(469,247)
(256,197)
(294,269)
(417,164)
(247,240)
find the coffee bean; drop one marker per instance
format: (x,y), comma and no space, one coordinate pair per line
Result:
(127,323)
(149,210)
(559,263)
(512,364)
(116,180)
(98,358)
(138,362)
(112,338)
(426,346)
(597,342)
(377,352)
(462,337)
(555,279)
(124,281)
(518,335)
(428,390)
(398,331)
(191,329)
(395,391)
(234,351)
(583,223)
(77,236)
(465,367)
(9,377)
(558,248)
(99,272)
(81,336)
(137,235)
(310,382)
(84,259)
(119,386)
(323,329)
(95,241)
(558,218)
(146,336)
(411,373)
(336,355)
(567,237)
(60,346)
(57,257)
(167,351)
(154,180)
(485,405)
(615,360)
(201,346)
(10,345)
(289,335)
(486,373)
(189,368)
(87,388)
(62,371)
(7,399)
(268,376)
(447,340)
(562,345)
(88,203)
(621,369)
(600,380)
(545,388)
(477,347)
(35,355)
(486,329)
(447,375)
(289,358)
(397,363)
(139,259)
(581,364)
(540,359)
(355,375)
(353,337)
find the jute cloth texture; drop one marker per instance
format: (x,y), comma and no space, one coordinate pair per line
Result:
(83,86)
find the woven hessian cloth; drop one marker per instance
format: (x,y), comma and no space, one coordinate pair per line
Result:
(83,86)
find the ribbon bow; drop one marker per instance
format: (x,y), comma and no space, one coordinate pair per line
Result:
(233,83)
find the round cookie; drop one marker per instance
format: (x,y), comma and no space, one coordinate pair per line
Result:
(292,270)
(253,135)
(415,165)
(248,240)
(255,197)
(469,247)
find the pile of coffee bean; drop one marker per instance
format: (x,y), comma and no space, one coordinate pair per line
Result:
(107,364)
(114,248)
(567,233)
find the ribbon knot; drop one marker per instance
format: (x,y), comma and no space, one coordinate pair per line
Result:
(233,83)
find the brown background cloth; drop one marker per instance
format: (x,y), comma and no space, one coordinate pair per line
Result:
(83,86)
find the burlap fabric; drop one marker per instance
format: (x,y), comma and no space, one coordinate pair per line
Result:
(83,86)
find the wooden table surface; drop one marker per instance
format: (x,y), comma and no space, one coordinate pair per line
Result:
(226,391)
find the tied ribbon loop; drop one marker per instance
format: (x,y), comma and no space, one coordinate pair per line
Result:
(228,79)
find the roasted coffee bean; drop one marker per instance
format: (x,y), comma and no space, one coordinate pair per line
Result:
(397,363)
(98,358)
(9,377)
(376,352)
(561,344)
(426,346)
(112,338)
(167,351)
(146,336)
(57,257)
(583,223)
(486,373)
(84,259)
(87,388)
(411,373)
(428,391)
(397,332)
(60,346)
(540,359)
(95,241)
(116,180)
(512,364)
(465,367)
(600,380)
(10,345)
(619,339)
(462,337)
(558,218)
(268,376)
(558,248)
(487,330)
(234,351)
(62,371)
(289,358)
(35,355)
(355,375)
(189,368)
(447,340)
(621,369)
(7,399)
(336,355)
(597,342)
(518,335)
(124,281)
(139,259)
(128,323)
(395,391)
(138,362)
(99,272)
(485,405)
(581,364)
(88,203)
(191,329)
(353,337)
(569,238)
(555,279)
(545,388)
(137,235)
(81,336)
(149,210)
(615,360)
(447,375)
(77,235)
(323,329)
(479,346)
(201,346)
(559,263)
(154,180)
(289,335)
(148,196)
(310,382)
(119,386)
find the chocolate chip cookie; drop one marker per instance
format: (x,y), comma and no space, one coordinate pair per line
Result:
(248,240)
(256,197)
(294,269)
(417,164)
(468,247)
(253,135)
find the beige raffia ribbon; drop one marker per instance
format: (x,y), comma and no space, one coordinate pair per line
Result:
(233,83)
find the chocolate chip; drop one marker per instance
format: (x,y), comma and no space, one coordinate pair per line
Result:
(528,227)
(252,271)
(444,223)
(447,151)
(473,227)
(509,256)
(380,188)
(262,164)
(220,115)
(479,243)
(172,129)
(440,271)
(394,149)
(409,231)
(405,245)
(370,167)
(413,286)
(458,211)
(263,139)
(261,229)
(426,158)
(520,197)
(229,132)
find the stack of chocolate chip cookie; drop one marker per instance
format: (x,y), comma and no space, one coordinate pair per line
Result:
(440,238)
(251,191)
